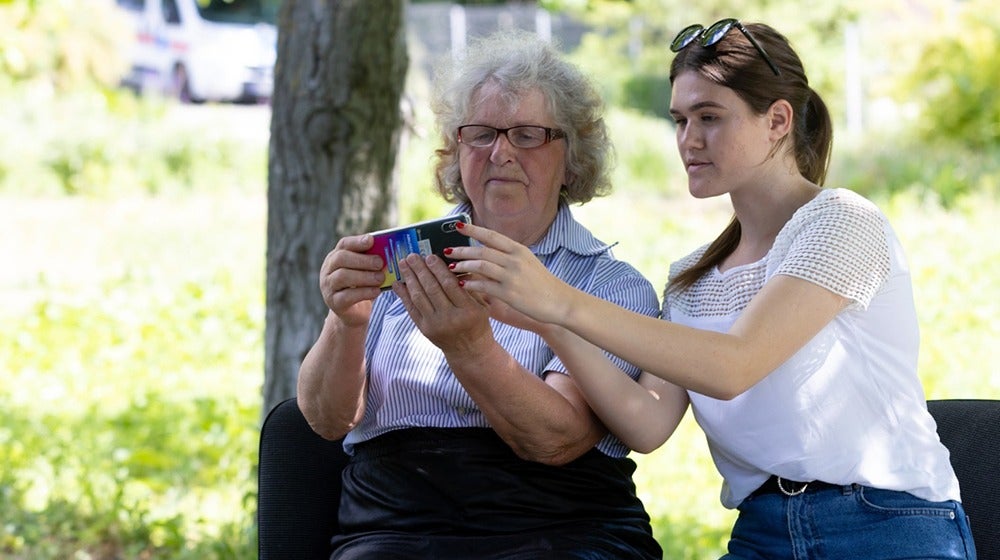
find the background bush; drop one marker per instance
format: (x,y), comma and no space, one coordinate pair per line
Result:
(132,299)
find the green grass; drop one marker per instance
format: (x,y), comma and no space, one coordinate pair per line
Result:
(131,348)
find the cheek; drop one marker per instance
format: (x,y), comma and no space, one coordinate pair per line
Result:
(469,163)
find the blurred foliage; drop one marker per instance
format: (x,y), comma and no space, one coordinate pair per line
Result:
(946,173)
(109,448)
(116,144)
(954,81)
(59,46)
(131,381)
(630,54)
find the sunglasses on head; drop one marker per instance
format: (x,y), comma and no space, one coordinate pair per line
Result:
(713,34)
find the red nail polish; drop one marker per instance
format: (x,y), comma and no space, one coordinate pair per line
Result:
(451,266)
(447,250)
(461,283)
(460,225)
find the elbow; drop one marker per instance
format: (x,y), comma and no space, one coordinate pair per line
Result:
(555,458)
(727,394)
(648,444)
(323,424)
(644,447)
(553,454)
(732,390)
(727,389)
(328,430)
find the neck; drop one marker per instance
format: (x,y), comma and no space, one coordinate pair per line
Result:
(762,211)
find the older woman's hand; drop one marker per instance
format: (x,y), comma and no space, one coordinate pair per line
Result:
(350,279)
(453,319)
(507,270)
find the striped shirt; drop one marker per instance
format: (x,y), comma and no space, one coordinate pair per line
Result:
(409,381)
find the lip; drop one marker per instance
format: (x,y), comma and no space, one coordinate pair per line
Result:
(695,165)
(503,180)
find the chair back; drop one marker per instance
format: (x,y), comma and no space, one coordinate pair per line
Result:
(970,429)
(298,487)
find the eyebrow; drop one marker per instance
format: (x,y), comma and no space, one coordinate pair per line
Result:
(698,106)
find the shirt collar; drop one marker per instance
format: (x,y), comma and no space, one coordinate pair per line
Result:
(565,232)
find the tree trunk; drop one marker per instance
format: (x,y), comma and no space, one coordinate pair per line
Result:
(335,131)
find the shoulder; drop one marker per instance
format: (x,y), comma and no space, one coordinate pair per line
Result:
(836,221)
(839,208)
(680,265)
(619,281)
(839,240)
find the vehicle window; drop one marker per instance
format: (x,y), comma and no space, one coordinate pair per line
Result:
(132,5)
(170,12)
(238,11)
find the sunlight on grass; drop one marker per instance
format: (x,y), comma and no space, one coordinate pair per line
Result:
(131,346)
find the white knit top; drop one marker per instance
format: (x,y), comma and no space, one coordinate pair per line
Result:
(848,407)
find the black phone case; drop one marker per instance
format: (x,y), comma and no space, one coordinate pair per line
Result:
(424,238)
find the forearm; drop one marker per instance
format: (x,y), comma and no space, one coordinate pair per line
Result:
(719,365)
(640,417)
(530,415)
(331,381)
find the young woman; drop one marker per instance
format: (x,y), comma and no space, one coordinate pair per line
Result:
(794,332)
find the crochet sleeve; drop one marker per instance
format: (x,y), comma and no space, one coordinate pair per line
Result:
(841,245)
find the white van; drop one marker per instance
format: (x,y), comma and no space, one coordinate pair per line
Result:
(203,50)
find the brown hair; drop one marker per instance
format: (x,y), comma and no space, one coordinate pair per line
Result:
(735,63)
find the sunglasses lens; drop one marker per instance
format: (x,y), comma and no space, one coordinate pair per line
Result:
(715,33)
(686,37)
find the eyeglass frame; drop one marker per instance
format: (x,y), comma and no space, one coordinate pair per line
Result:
(706,37)
(550,135)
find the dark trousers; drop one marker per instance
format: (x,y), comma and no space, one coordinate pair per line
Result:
(463,493)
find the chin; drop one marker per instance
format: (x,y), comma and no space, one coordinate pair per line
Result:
(702,190)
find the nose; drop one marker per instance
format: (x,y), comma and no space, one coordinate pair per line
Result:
(502,150)
(689,136)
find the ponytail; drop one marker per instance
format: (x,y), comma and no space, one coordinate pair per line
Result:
(814,139)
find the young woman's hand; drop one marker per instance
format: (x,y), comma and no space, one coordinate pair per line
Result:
(508,271)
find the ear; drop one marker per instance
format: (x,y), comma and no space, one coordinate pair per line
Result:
(779,117)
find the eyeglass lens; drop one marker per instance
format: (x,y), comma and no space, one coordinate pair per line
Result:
(686,37)
(714,34)
(481,136)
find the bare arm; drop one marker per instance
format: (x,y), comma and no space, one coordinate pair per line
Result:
(546,421)
(643,415)
(331,382)
(780,319)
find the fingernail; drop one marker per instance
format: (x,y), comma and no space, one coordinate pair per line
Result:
(461,283)
(447,250)
(451,266)
(460,225)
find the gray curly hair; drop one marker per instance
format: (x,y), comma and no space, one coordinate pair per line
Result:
(519,61)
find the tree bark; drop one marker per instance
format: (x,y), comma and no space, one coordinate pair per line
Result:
(335,132)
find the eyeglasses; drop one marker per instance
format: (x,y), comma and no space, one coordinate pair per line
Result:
(482,136)
(714,34)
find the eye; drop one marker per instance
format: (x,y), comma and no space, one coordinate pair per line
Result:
(481,136)
(527,135)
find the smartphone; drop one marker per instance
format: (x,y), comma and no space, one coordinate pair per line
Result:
(425,238)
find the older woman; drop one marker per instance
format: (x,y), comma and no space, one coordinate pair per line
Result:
(469,437)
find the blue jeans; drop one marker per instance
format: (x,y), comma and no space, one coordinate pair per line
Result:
(849,522)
